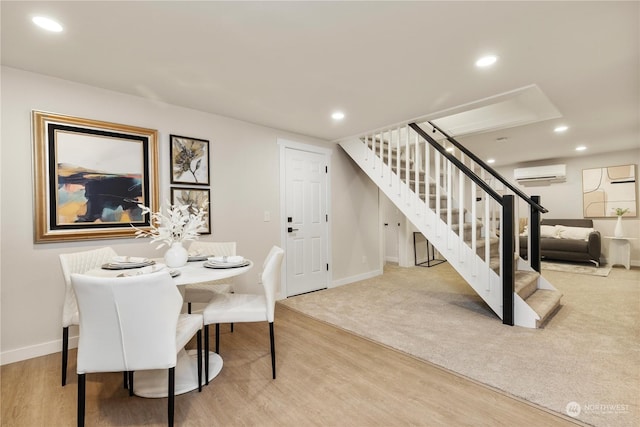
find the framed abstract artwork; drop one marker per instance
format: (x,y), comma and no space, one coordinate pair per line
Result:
(196,198)
(90,176)
(606,189)
(189,160)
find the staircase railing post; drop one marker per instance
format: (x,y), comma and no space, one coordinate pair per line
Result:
(534,235)
(508,265)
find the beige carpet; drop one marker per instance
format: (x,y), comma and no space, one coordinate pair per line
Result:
(577,268)
(588,353)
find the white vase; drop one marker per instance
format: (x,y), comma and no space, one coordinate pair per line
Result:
(618,231)
(176,255)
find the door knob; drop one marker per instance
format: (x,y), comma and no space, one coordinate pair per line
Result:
(291,230)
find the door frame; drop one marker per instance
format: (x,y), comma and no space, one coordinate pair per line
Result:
(286,144)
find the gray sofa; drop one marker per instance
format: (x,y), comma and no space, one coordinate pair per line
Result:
(567,249)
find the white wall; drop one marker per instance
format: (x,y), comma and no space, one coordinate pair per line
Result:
(245,183)
(564,200)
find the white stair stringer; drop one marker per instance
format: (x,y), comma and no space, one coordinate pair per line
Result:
(462,257)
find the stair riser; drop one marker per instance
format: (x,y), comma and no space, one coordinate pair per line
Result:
(527,291)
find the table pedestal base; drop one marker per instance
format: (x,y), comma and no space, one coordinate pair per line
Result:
(154,383)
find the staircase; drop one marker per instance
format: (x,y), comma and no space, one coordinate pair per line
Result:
(466,210)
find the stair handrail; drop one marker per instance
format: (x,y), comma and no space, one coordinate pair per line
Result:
(493,172)
(464,168)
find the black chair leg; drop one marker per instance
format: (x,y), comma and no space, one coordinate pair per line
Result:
(232,328)
(218,338)
(65,354)
(130,383)
(199,344)
(172,394)
(81,398)
(125,379)
(273,350)
(189,307)
(206,354)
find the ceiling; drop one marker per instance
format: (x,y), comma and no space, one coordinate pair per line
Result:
(289,65)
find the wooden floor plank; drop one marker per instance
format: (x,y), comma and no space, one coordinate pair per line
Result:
(326,377)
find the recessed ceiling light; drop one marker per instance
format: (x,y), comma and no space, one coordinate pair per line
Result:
(450,149)
(338,115)
(560,129)
(491,161)
(581,148)
(486,61)
(47,23)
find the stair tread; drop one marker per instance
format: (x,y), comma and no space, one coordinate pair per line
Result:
(524,278)
(526,283)
(544,302)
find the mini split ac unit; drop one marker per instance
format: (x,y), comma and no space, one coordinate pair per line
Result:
(541,175)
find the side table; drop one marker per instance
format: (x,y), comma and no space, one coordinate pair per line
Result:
(431,253)
(620,251)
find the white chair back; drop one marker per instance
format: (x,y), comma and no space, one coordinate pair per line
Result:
(271,279)
(127,323)
(213,248)
(79,262)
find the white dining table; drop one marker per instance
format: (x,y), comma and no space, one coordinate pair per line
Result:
(153,383)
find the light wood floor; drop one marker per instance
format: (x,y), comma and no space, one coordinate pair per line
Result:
(326,377)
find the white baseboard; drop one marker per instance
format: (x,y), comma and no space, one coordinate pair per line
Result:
(357,278)
(38,350)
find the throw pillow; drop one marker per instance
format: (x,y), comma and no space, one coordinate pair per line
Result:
(575,233)
(549,231)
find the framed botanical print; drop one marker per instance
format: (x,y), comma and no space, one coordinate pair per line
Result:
(194,197)
(189,160)
(90,176)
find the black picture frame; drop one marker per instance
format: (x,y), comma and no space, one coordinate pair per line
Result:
(194,197)
(190,159)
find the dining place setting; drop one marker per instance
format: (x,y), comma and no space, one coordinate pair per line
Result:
(132,265)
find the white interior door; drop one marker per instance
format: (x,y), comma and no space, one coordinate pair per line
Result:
(306,221)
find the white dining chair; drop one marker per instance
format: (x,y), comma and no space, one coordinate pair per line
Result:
(132,324)
(237,308)
(203,292)
(77,262)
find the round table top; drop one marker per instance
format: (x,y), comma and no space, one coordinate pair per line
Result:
(192,272)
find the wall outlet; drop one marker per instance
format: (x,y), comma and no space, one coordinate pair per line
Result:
(267,216)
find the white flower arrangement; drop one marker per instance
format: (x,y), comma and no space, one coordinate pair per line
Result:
(179,224)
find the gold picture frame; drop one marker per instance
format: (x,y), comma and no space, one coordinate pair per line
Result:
(89,177)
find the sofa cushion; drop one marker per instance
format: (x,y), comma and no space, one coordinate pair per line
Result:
(549,231)
(578,233)
(564,245)
(568,222)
